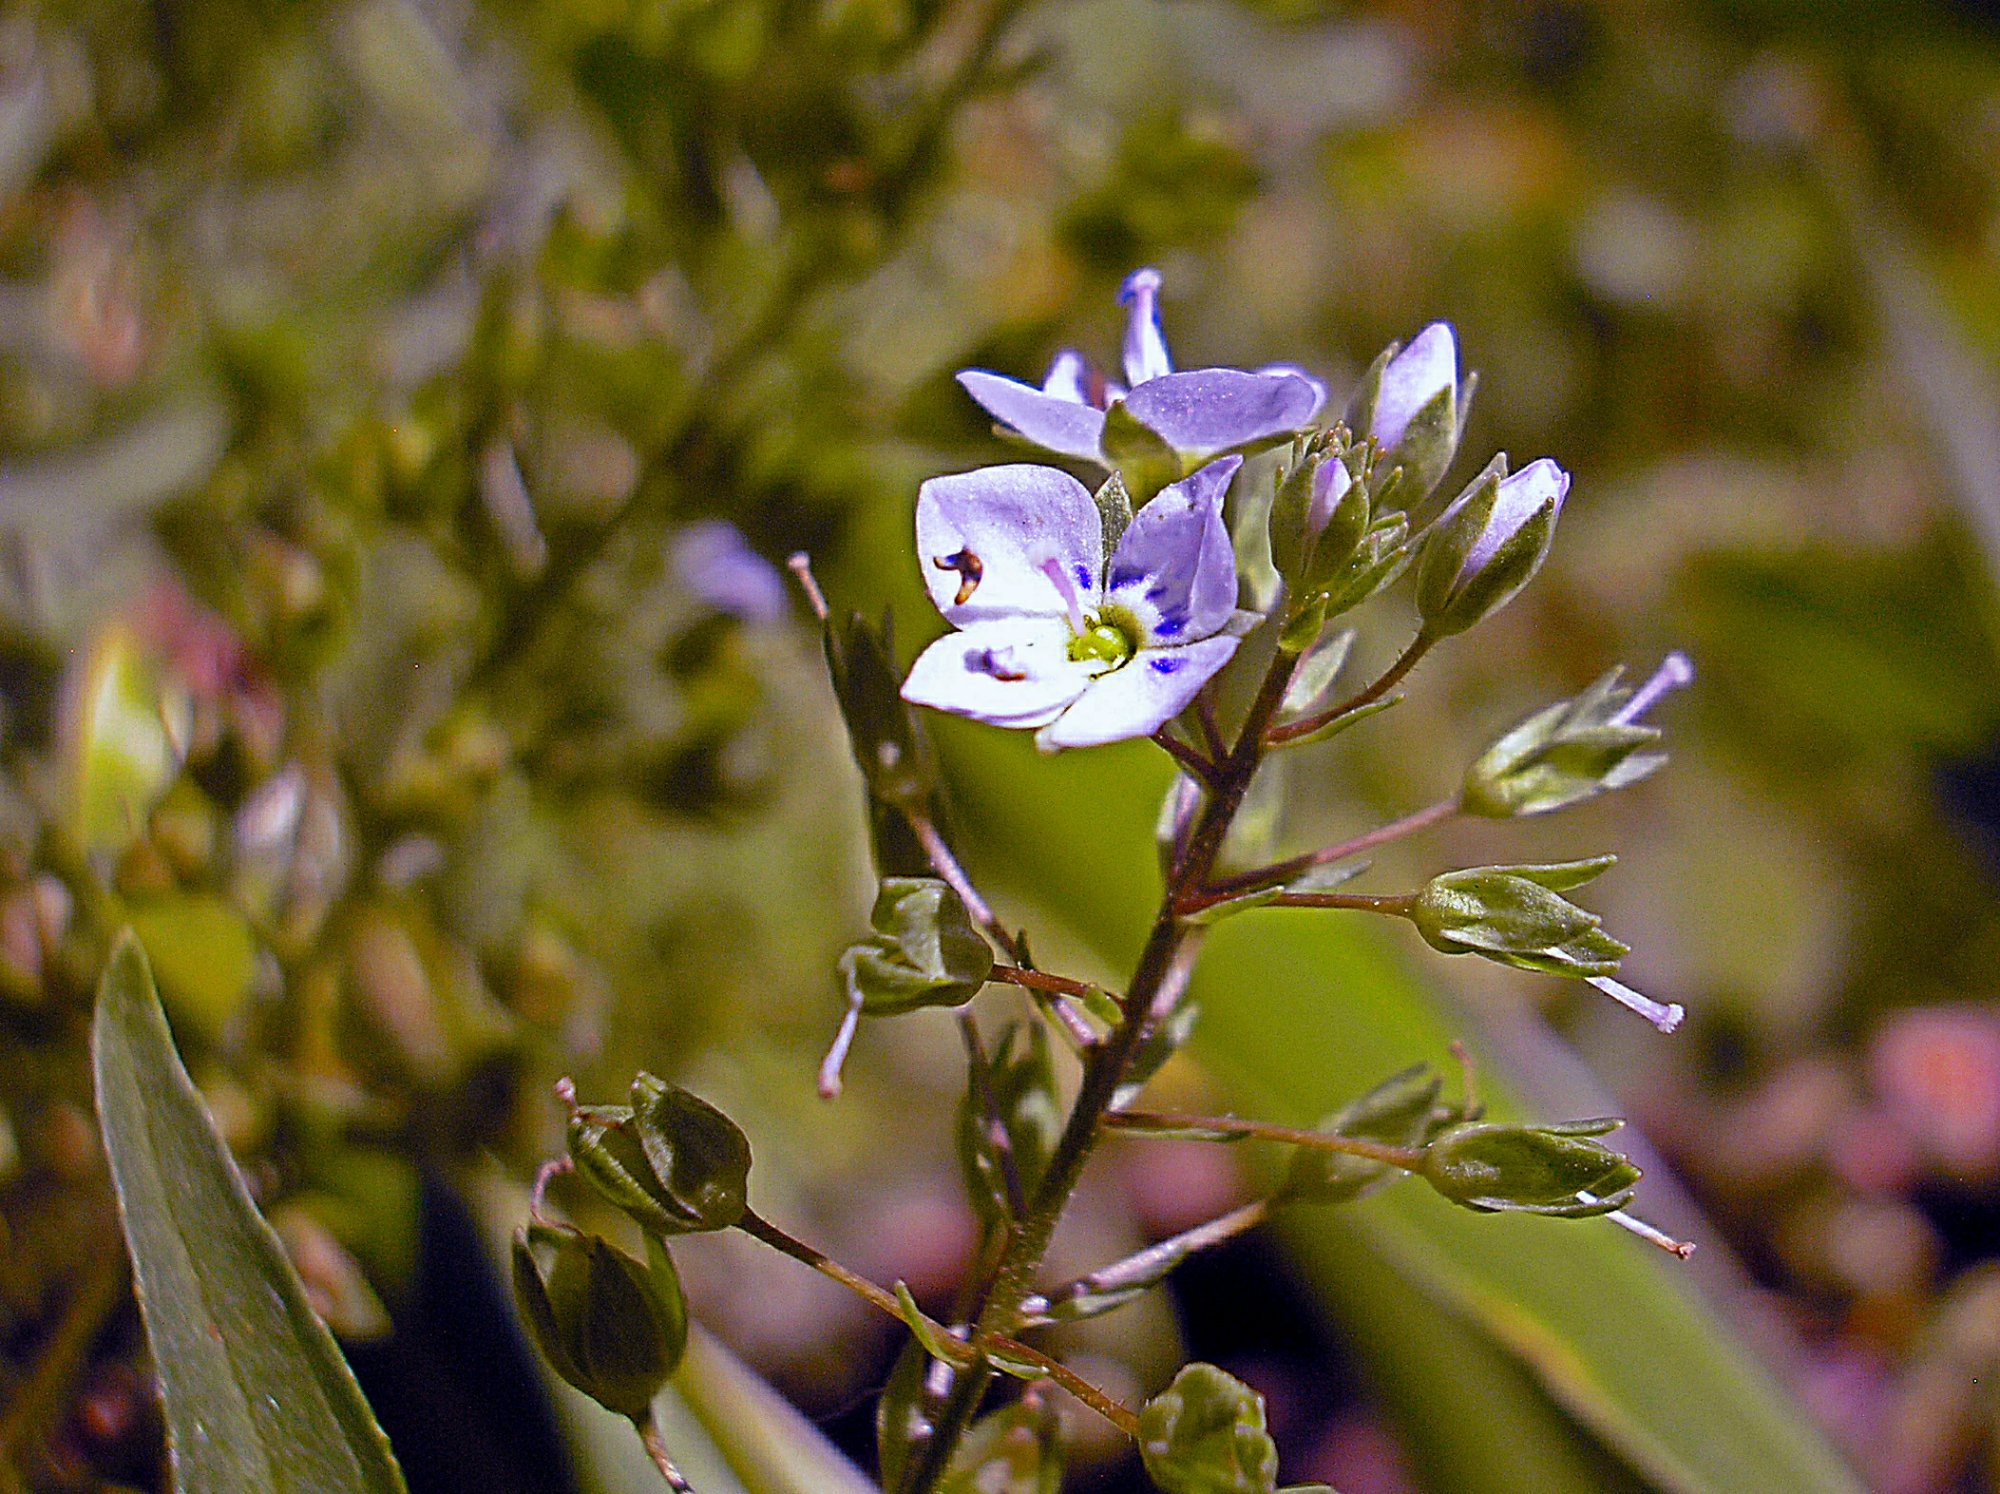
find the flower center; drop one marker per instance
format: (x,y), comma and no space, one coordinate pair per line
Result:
(1106,639)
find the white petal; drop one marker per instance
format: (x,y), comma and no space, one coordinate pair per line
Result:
(1145,344)
(989,536)
(1051,420)
(1007,672)
(1175,569)
(1141,696)
(1520,497)
(1412,379)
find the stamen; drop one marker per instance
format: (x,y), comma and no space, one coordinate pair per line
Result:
(1666,1016)
(1675,671)
(995,662)
(969,566)
(1065,587)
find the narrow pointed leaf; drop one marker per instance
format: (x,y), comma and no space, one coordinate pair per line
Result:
(258,1399)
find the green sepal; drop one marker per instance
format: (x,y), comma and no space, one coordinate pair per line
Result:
(1449,601)
(1020,1079)
(925,950)
(1141,455)
(607,1324)
(699,1154)
(1015,1450)
(1204,1434)
(1425,452)
(1114,508)
(1560,1170)
(1402,1110)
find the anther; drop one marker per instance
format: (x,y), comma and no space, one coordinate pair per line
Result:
(970,569)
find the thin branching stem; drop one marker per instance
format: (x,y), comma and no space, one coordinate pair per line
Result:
(1409,1159)
(1283,871)
(954,876)
(1396,904)
(1201,767)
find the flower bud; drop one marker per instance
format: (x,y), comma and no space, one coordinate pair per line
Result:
(610,1326)
(1409,403)
(1516,915)
(1488,545)
(1491,1167)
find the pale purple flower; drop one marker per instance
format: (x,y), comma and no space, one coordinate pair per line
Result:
(714,563)
(1052,635)
(1411,380)
(1199,413)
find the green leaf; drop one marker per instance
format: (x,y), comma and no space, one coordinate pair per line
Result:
(1020,1081)
(257,1396)
(1204,1434)
(906,1412)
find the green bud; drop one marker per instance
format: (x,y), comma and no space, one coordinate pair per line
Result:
(1019,1084)
(1572,750)
(672,1161)
(924,952)
(1381,555)
(607,1324)
(1400,1111)
(1516,915)
(1490,1167)
(1204,1434)
(1488,544)
(1319,513)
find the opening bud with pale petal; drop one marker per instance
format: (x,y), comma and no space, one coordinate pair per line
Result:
(1409,401)
(1489,544)
(1574,749)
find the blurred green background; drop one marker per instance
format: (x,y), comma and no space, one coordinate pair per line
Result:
(374,375)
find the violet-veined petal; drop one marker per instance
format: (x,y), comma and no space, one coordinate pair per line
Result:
(1145,344)
(1216,409)
(1012,671)
(1175,569)
(1060,424)
(1412,380)
(1139,697)
(984,537)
